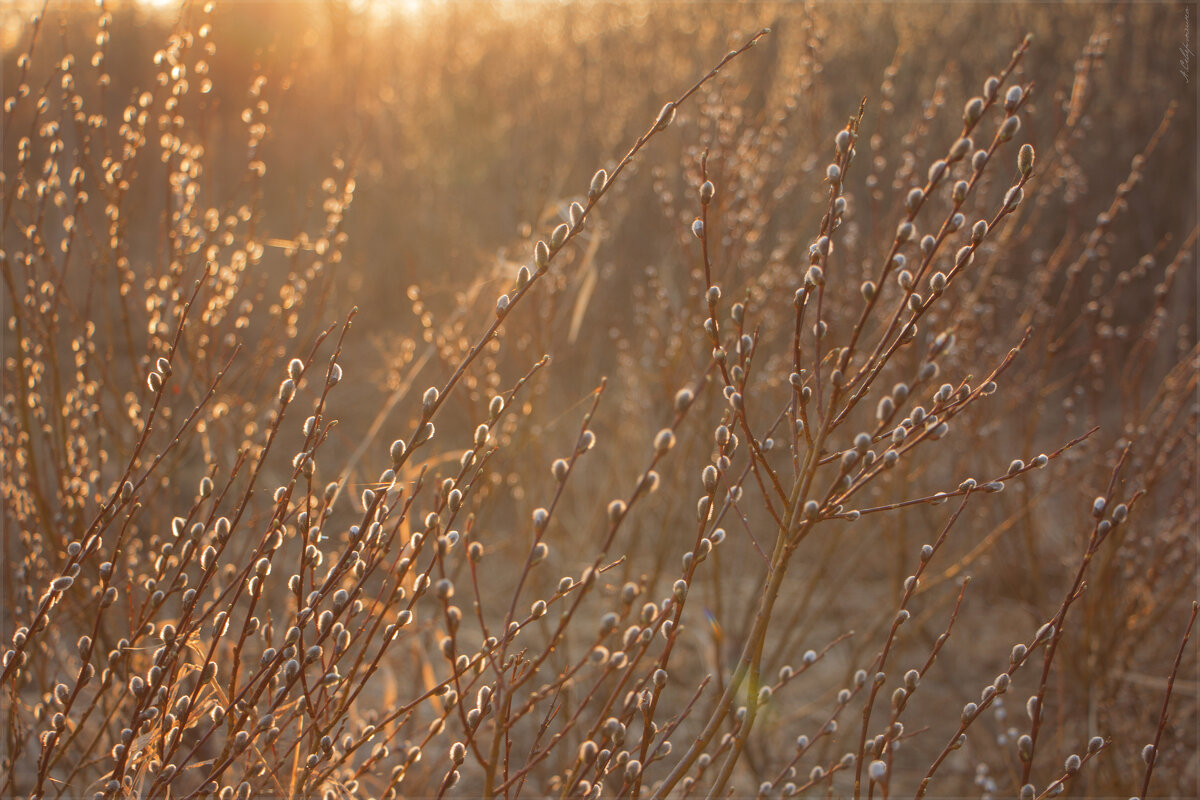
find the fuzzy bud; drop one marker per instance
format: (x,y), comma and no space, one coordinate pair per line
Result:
(973,110)
(1012,99)
(1025,158)
(599,181)
(978,231)
(665,117)
(1009,128)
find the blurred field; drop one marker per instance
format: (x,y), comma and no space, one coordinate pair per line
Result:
(196,195)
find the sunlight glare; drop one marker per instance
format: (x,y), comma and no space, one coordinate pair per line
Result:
(384,9)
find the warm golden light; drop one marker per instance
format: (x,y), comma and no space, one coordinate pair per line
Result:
(597,398)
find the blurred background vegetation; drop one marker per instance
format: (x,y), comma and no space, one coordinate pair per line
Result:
(468,127)
(410,155)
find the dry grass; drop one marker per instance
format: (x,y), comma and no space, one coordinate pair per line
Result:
(838,437)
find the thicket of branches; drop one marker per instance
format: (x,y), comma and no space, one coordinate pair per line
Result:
(420,407)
